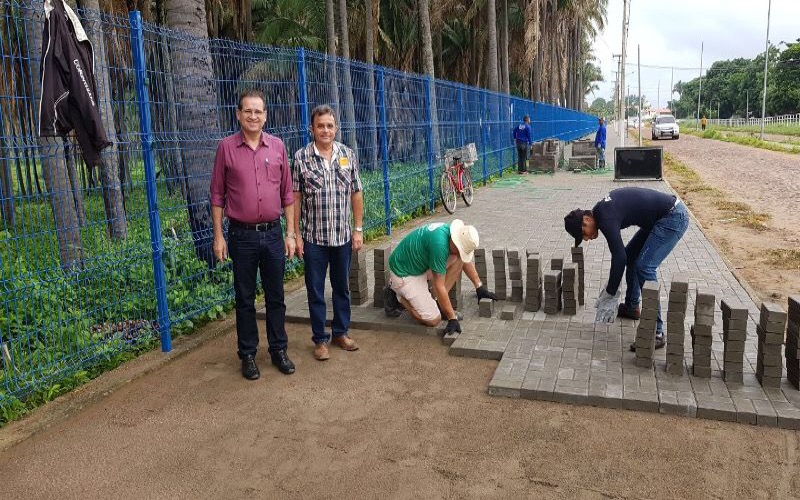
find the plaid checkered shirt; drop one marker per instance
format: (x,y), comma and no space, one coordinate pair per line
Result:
(326,189)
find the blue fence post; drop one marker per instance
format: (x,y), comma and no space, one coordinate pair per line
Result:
(461,132)
(145,128)
(483,136)
(498,152)
(384,151)
(429,116)
(303,93)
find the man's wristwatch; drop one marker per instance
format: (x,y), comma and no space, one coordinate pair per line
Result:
(358,229)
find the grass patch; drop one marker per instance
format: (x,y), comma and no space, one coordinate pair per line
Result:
(793,130)
(784,258)
(745,141)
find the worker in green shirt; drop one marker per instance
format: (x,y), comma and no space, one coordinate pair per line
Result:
(439,252)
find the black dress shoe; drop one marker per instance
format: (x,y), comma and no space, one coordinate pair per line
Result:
(660,342)
(282,361)
(249,368)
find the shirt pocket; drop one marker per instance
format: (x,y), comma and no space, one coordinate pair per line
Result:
(344,178)
(313,181)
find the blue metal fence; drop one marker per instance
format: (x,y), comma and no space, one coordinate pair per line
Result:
(94,260)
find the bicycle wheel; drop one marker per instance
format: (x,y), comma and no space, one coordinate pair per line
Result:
(447,191)
(466,183)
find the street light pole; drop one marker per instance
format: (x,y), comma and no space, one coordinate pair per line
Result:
(623,126)
(700,91)
(766,61)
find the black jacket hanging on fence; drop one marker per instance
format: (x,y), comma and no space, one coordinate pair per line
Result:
(69,92)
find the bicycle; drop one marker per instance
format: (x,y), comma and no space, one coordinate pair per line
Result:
(456,179)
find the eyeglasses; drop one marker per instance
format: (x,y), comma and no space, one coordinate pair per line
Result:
(252,112)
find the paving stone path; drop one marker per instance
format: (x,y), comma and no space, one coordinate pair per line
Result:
(570,359)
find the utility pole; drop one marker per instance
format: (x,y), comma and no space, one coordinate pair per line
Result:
(658,98)
(639,74)
(671,88)
(717,111)
(766,60)
(747,108)
(623,127)
(616,90)
(700,91)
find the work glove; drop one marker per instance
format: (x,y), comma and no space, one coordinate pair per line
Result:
(483,293)
(452,326)
(606,305)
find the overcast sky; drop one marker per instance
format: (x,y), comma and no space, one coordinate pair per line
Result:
(670,34)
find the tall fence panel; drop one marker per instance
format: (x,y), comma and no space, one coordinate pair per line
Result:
(96,259)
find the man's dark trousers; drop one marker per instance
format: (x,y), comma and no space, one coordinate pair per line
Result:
(253,251)
(316,259)
(522,156)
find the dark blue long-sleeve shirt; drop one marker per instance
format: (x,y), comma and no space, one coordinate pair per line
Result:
(600,136)
(625,207)
(523,133)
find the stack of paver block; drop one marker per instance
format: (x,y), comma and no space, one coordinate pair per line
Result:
(646,331)
(771,328)
(533,285)
(508,312)
(569,286)
(676,324)
(702,336)
(486,308)
(545,155)
(515,275)
(381,270)
(358,277)
(499,264)
(556,264)
(793,342)
(552,292)
(577,258)
(734,335)
(480,265)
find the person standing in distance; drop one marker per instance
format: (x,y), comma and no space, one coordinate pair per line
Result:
(600,142)
(327,188)
(523,138)
(251,184)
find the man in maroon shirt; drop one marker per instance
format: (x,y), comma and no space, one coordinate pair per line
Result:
(252,184)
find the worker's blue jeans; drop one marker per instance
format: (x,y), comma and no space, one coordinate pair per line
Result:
(648,249)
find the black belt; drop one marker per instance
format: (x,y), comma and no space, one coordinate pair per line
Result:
(261,226)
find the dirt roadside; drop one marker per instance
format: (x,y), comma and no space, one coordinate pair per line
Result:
(746,200)
(404,422)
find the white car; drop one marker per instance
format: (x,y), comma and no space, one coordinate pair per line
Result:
(665,126)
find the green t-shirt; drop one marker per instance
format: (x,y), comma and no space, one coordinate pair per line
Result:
(426,247)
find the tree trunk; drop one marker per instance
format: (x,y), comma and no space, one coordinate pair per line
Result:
(491,22)
(538,77)
(112,190)
(330,61)
(196,96)
(349,122)
(54,166)
(372,118)
(77,193)
(504,49)
(427,63)
(554,67)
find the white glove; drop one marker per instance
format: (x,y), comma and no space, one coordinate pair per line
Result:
(606,305)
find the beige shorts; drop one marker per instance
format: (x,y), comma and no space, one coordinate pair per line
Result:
(415,290)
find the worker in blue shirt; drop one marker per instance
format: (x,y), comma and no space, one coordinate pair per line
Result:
(662,220)
(600,143)
(523,137)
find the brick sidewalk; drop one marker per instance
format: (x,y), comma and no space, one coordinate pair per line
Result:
(570,358)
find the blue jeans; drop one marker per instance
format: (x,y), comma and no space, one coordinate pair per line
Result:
(253,252)
(316,259)
(648,249)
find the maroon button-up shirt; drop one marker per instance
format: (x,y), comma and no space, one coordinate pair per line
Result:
(252,186)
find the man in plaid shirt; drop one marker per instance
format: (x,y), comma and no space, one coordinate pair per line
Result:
(327,188)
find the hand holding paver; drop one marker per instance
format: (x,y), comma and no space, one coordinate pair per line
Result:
(483,293)
(606,307)
(452,326)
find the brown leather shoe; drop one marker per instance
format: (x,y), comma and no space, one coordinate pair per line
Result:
(345,343)
(321,351)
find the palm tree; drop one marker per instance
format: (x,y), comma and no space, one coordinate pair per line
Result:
(427,62)
(504,49)
(109,173)
(196,100)
(54,167)
(349,109)
(330,62)
(491,23)
(372,8)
